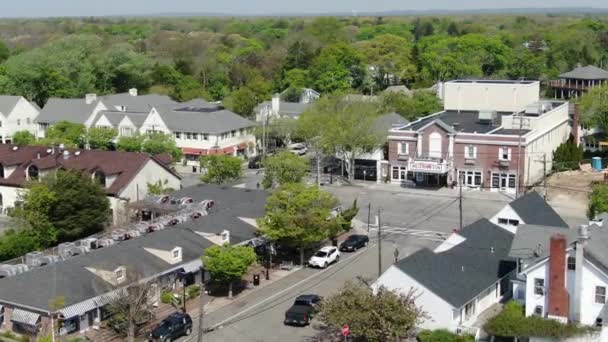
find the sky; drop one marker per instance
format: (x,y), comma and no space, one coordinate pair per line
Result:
(44,8)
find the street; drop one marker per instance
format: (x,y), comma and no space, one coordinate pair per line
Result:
(259,316)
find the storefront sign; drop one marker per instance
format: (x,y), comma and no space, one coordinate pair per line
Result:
(427,166)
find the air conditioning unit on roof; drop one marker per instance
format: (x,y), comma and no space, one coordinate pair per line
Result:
(49,260)
(65,249)
(33,259)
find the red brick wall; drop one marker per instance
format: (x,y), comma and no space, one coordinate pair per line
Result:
(558,295)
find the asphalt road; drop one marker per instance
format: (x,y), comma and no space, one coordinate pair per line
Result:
(259,316)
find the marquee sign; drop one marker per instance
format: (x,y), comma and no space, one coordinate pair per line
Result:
(428,166)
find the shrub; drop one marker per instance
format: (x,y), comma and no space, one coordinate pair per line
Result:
(442,335)
(193,291)
(165,297)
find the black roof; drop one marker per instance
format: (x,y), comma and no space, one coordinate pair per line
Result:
(533,209)
(509,131)
(463,121)
(467,269)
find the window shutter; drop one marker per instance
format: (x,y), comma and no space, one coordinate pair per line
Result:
(500,153)
(399,148)
(466,151)
(407,148)
(475,152)
(509,154)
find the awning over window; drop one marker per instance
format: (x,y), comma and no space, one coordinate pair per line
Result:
(229,150)
(192,266)
(78,309)
(194,151)
(216,151)
(25,317)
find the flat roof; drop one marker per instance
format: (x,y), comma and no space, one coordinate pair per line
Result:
(508,131)
(463,121)
(494,81)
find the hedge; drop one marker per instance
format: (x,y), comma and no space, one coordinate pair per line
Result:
(442,335)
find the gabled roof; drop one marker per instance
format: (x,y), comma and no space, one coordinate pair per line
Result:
(72,110)
(125,165)
(389,121)
(588,72)
(204,120)
(533,209)
(139,103)
(115,117)
(461,273)
(7,103)
(531,242)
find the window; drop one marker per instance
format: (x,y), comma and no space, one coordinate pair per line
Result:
(176,254)
(395,172)
(572,263)
(32,172)
(188,136)
(0,123)
(538,310)
(205,136)
(233,134)
(403,148)
(178,135)
(508,222)
(600,294)
(120,273)
(28,121)
(512,181)
(126,131)
(18,122)
(1,171)
(504,153)
(100,178)
(194,136)
(470,152)
(470,178)
(241,131)
(539,287)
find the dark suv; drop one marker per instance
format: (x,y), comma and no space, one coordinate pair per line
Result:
(303,310)
(175,326)
(354,242)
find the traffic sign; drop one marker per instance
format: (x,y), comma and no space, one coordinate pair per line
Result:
(345,330)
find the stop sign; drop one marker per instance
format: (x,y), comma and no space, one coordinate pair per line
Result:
(345,330)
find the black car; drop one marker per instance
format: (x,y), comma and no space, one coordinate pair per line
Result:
(303,310)
(175,326)
(255,162)
(354,242)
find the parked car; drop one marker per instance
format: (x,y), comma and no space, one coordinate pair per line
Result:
(255,162)
(175,326)
(354,242)
(324,256)
(298,149)
(303,310)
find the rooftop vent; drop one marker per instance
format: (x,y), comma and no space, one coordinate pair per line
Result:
(49,260)
(33,259)
(65,249)
(15,148)
(487,117)
(533,109)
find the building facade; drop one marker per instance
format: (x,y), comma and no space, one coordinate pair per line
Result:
(576,82)
(16,114)
(487,130)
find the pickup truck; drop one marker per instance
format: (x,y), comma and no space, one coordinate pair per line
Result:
(303,310)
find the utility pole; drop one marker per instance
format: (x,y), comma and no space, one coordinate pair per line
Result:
(202,307)
(369,214)
(521,123)
(545,174)
(461,178)
(379,245)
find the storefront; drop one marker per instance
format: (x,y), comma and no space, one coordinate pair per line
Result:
(503,181)
(471,178)
(427,173)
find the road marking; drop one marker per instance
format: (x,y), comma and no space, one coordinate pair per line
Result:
(312,276)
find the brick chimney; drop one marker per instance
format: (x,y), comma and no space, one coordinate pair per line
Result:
(559,299)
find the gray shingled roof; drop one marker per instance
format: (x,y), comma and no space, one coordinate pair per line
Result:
(116,117)
(533,209)
(202,120)
(139,103)
(588,72)
(389,121)
(465,121)
(531,242)
(72,110)
(464,271)
(7,103)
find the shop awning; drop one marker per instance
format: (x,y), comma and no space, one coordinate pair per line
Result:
(194,151)
(229,150)
(25,317)
(242,146)
(216,151)
(78,309)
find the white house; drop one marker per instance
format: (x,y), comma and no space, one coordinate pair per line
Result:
(459,280)
(16,114)
(563,274)
(123,175)
(530,208)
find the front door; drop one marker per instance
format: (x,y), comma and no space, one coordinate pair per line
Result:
(504,181)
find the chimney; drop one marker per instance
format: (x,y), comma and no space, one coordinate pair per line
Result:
(558,295)
(133,91)
(583,237)
(276,104)
(90,98)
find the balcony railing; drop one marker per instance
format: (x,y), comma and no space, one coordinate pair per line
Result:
(566,85)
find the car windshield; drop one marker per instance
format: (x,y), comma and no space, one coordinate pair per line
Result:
(321,254)
(352,238)
(301,302)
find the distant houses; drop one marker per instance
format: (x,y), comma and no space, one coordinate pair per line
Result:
(16,114)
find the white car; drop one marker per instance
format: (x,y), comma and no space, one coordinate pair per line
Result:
(298,149)
(324,256)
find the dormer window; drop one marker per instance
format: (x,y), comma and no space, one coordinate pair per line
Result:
(100,178)
(32,172)
(120,273)
(176,253)
(1,171)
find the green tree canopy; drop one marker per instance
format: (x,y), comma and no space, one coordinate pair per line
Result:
(594,107)
(22,138)
(337,67)
(221,169)
(422,103)
(4,52)
(284,168)
(160,143)
(299,215)
(100,138)
(389,55)
(131,144)
(380,315)
(188,88)
(228,263)
(66,133)
(567,156)
(598,200)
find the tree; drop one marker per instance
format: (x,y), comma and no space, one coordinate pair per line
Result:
(159,188)
(422,103)
(526,65)
(299,56)
(228,263)
(64,132)
(598,200)
(160,143)
(100,138)
(132,307)
(299,215)
(390,56)
(242,101)
(380,315)
(221,169)
(130,144)
(567,156)
(71,203)
(22,138)
(4,52)
(594,107)
(337,67)
(188,88)
(284,168)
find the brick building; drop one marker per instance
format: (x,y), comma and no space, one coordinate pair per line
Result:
(487,129)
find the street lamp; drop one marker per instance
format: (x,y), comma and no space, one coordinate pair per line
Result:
(181,275)
(364,173)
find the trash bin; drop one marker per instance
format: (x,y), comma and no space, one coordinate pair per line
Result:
(194,169)
(256,280)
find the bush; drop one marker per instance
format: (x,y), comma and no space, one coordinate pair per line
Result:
(442,335)
(598,200)
(166,296)
(193,291)
(567,156)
